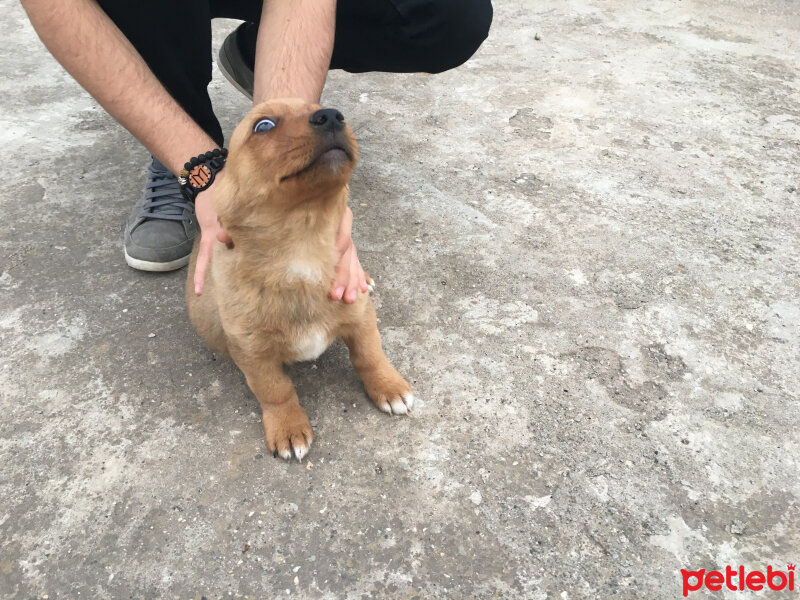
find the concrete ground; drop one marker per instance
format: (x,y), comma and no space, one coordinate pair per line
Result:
(586,245)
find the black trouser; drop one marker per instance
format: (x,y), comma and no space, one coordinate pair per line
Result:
(399,36)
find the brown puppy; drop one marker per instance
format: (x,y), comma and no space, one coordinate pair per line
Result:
(265,300)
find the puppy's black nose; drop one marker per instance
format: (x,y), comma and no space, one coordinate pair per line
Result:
(327,119)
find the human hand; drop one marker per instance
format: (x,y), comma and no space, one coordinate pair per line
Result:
(210,232)
(349,277)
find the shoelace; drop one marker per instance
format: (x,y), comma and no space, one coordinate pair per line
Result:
(164,199)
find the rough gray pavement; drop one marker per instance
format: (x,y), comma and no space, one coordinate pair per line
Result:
(586,249)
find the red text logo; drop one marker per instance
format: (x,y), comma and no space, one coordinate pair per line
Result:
(738,580)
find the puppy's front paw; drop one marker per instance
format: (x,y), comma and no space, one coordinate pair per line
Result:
(391,393)
(287,430)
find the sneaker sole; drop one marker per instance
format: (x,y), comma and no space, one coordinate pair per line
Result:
(226,69)
(158,267)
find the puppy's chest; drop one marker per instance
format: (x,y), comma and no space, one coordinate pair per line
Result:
(310,343)
(289,311)
(300,270)
(297,325)
(291,332)
(309,337)
(305,321)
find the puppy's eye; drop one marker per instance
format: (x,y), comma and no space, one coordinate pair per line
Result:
(264,125)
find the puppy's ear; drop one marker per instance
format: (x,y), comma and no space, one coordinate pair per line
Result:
(222,236)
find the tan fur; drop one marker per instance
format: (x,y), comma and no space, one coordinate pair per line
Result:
(262,304)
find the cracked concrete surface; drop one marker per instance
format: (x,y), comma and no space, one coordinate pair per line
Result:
(586,249)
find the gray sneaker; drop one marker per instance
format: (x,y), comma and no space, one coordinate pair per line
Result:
(162,226)
(233,64)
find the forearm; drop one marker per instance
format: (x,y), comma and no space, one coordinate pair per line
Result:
(293,53)
(95,52)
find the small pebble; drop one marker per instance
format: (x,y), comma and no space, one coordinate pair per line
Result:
(738,528)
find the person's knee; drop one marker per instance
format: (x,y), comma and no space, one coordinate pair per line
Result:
(458,29)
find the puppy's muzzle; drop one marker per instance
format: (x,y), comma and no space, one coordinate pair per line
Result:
(332,147)
(327,120)
(329,125)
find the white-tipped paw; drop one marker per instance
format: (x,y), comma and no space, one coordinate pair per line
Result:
(298,447)
(288,432)
(397,405)
(370,284)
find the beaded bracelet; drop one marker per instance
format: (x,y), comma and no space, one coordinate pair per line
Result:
(198,173)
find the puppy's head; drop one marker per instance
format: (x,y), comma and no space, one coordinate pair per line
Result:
(285,153)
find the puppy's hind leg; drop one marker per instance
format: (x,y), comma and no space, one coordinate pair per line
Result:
(385,386)
(286,426)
